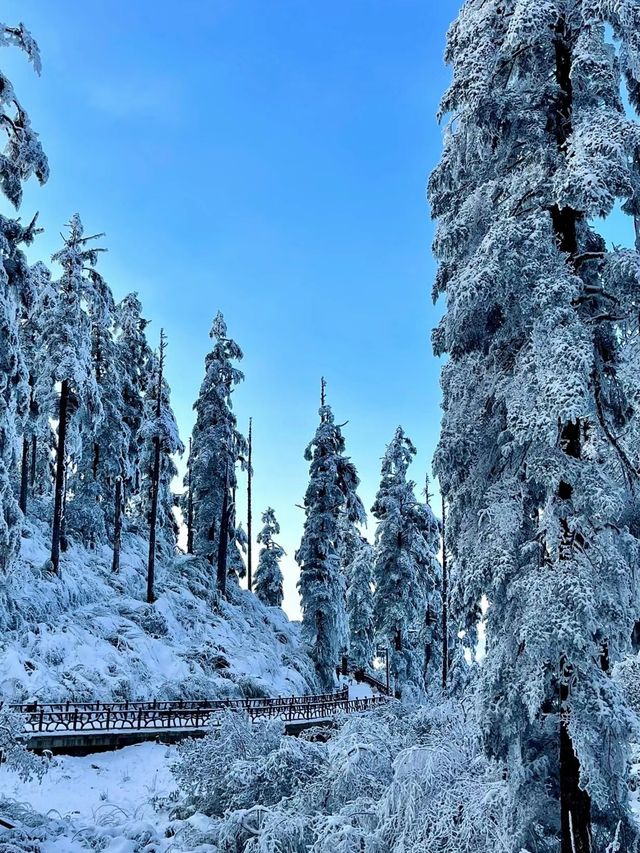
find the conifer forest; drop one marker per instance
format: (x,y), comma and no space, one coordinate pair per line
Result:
(447,659)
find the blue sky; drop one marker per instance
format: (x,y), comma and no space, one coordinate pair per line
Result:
(267,158)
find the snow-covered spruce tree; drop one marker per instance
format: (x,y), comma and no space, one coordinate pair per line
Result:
(132,354)
(21,158)
(430,577)
(359,575)
(268,580)
(92,485)
(216,449)
(160,442)
(400,555)
(331,496)
(67,342)
(541,391)
(37,436)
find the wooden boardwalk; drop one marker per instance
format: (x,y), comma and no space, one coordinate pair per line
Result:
(90,726)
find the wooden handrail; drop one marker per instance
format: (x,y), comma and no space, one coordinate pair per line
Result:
(181,704)
(114,717)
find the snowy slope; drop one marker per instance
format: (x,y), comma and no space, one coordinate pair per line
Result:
(89,634)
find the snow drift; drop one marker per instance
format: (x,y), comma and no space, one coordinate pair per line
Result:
(89,634)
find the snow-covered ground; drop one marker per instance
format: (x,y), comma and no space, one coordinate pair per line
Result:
(89,635)
(131,789)
(93,787)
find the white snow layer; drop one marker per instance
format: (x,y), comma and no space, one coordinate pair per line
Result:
(89,634)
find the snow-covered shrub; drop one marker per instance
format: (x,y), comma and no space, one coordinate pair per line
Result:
(13,752)
(252,688)
(395,780)
(259,830)
(239,764)
(445,796)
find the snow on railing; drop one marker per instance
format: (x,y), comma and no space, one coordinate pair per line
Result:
(140,716)
(182,704)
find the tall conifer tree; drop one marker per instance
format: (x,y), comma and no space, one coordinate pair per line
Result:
(160,442)
(216,450)
(400,555)
(541,391)
(37,435)
(67,339)
(268,579)
(359,577)
(133,356)
(330,497)
(21,158)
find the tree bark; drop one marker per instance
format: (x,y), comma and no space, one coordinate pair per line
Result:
(575,803)
(249,515)
(189,508)
(34,458)
(24,475)
(64,544)
(60,478)
(223,539)
(223,544)
(117,525)
(153,521)
(155,480)
(575,811)
(445,603)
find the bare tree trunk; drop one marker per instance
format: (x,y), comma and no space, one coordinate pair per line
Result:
(34,458)
(397,644)
(117,525)
(64,544)
(155,482)
(60,478)
(24,475)
(249,514)
(445,601)
(223,539)
(575,803)
(189,508)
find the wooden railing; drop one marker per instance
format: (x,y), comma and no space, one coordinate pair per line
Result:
(140,716)
(181,704)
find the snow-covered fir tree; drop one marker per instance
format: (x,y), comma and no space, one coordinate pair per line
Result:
(21,158)
(158,426)
(430,578)
(400,555)
(268,578)
(217,448)
(537,459)
(36,475)
(359,575)
(68,361)
(330,497)
(133,354)
(105,443)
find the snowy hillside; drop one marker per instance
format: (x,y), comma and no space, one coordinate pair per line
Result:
(89,634)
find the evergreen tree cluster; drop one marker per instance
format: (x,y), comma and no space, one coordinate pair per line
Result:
(361,598)
(77,373)
(88,437)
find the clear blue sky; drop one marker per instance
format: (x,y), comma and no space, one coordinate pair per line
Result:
(268,158)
